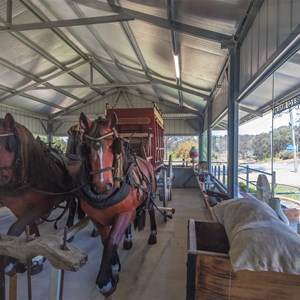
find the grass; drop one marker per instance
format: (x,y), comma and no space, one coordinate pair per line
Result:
(287,191)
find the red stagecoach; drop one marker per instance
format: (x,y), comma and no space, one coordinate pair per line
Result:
(143,128)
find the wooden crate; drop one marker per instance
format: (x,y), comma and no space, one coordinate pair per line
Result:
(209,274)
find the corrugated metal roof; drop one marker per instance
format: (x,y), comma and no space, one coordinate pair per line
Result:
(58,54)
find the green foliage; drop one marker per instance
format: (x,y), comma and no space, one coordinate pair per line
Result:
(179,146)
(58,142)
(285,155)
(183,149)
(287,191)
(259,146)
(242,186)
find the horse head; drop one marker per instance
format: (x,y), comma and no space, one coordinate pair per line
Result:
(8,149)
(99,147)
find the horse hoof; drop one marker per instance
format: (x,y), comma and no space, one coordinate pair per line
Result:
(95,233)
(71,239)
(21,267)
(10,269)
(109,288)
(127,245)
(152,239)
(36,267)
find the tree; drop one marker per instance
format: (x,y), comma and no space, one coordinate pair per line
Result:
(183,149)
(262,146)
(58,142)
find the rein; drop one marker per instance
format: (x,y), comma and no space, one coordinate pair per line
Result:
(102,170)
(6,134)
(59,193)
(112,132)
(97,139)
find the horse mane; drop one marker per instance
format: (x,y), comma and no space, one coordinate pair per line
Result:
(37,167)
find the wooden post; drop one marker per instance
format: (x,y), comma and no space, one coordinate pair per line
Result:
(13,284)
(61,255)
(55,284)
(48,246)
(2,278)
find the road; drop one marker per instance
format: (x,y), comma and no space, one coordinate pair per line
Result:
(284,171)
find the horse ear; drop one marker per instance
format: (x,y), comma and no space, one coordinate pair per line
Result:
(9,121)
(113,120)
(84,122)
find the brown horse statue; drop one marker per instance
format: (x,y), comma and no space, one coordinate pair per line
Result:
(34,179)
(118,189)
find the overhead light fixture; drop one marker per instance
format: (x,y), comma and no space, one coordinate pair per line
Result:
(177,66)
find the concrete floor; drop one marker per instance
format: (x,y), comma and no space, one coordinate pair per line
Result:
(148,272)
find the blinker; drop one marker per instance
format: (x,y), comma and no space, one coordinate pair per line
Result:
(12,144)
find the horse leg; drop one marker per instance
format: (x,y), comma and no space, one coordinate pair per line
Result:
(80,211)
(127,243)
(106,279)
(72,210)
(153,228)
(16,229)
(104,232)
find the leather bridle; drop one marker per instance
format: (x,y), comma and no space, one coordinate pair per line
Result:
(17,160)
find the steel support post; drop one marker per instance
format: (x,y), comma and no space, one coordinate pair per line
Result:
(209,133)
(233,124)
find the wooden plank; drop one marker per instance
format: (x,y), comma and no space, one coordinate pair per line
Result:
(214,278)
(49,246)
(134,121)
(135,135)
(206,199)
(192,238)
(13,284)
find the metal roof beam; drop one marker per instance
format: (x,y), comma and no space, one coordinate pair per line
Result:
(40,15)
(288,48)
(167,103)
(173,105)
(180,88)
(159,79)
(295,59)
(160,22)
(248,20)
(48,57)
(9,7)
(118,84)
(162,82)
(14,92)
(66,23)
(98,38)
(40,81)
(251,111)
(101,86)
(76,106)
(139,55)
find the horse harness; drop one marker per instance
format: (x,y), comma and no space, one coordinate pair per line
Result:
(125,168)
(11,145)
